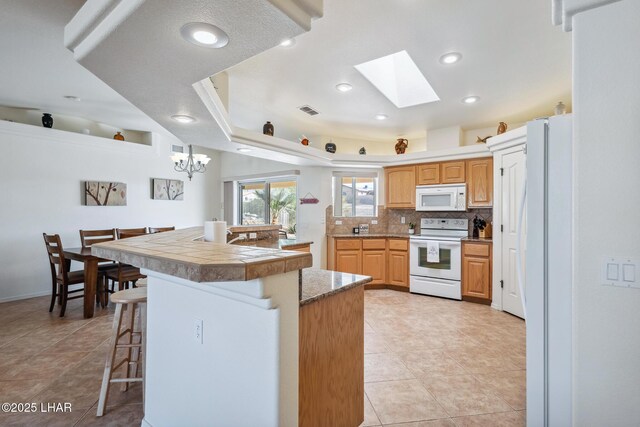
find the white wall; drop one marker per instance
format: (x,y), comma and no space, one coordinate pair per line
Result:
(606,320)
(316,180)
(43,173)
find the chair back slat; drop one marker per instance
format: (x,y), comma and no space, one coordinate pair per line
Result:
(153,230)
(126,235)
(91,237)
(136,231)
(55,253)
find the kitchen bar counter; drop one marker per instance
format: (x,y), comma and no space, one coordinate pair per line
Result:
(182,254)
(282,244)
(318,284)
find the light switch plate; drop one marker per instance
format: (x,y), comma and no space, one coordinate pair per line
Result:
(338,222)
(620,272)
(374,221)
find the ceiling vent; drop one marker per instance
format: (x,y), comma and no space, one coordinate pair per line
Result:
(310,111)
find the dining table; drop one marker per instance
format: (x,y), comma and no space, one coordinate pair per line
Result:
(90,262)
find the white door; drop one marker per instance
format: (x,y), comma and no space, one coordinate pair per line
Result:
(513,165)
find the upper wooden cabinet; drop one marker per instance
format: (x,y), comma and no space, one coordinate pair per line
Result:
(452,172)
(428,174)
(480,182)
(400,186)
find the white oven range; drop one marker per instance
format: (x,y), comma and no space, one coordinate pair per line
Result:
(435,257)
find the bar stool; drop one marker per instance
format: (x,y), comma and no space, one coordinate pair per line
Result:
(134,340)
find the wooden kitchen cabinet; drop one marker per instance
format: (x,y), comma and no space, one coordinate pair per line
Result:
(398,259)
(400,186)
(453,172)
(385,260)
(398,268)
(349,261)
(476,272)
(428,174)
(480,183)
(373,264)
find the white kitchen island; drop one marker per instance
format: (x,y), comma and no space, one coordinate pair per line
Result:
(223,342)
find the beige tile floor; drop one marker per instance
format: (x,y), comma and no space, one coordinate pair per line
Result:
(436,362)
(428,362)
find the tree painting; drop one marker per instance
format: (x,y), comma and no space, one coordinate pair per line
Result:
(168,189)
(98,193)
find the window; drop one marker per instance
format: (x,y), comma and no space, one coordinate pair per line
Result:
(268,202)
(355,194)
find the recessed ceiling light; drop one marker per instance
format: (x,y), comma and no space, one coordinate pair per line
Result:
(344,87)
(71,98)
(471,99)
(183,118)
(287,42)
(244,150)
(205,35)
(399,79)
(450,58)
(381,117)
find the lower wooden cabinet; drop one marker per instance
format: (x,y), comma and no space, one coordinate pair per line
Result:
(349,261)
(373,264)
(398,268)
(385,260)
(476,272)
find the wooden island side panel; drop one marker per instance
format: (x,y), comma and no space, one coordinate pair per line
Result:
(331,383)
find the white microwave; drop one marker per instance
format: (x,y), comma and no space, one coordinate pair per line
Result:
(449,197)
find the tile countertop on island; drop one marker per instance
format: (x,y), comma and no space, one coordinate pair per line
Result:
(179,253)
(317,284)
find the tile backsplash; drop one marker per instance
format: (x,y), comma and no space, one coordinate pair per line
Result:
(389,220)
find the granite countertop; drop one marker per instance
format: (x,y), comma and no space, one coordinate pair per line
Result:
(369,235)
(477,239)
(179,253)
(317,284)
(283,244)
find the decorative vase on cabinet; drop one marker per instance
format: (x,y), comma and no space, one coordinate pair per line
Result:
(267,129)
(118,136)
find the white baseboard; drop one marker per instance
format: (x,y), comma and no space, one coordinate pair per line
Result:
(26,296)
(495,307)
(145,423)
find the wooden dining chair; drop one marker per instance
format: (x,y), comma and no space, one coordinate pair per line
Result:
(61,276)
(153,230)
(125,274)
(90,237)
(137,231)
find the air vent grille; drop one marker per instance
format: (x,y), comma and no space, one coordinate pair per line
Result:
(307,109)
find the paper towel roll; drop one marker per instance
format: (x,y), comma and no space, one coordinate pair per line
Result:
(220,232)
(208,231)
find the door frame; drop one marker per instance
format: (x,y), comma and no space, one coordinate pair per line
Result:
(501,145)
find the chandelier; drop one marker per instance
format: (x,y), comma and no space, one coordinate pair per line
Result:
(190,163)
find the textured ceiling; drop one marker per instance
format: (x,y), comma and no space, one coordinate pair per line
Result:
(513,58)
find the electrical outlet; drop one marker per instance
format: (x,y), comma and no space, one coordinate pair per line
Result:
(253,235)
(374,221)
(402,220)
(338,222)
(197,331)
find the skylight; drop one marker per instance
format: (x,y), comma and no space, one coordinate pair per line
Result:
(399,79)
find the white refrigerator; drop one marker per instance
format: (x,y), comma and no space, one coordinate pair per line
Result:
(548,277)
